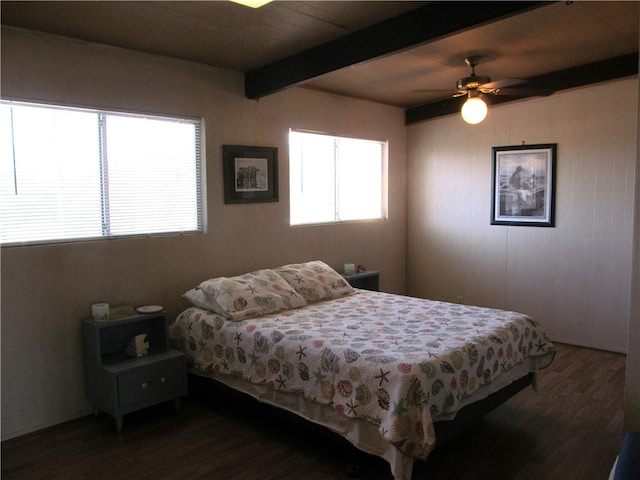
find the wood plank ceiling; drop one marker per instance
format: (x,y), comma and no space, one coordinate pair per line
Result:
(407,54)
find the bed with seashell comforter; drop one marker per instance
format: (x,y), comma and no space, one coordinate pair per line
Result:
(382,370)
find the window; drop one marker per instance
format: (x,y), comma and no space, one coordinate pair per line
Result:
(71,174)
(335,179)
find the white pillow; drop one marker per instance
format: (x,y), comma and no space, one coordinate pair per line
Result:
(249,295)
(196,297)
(315,280)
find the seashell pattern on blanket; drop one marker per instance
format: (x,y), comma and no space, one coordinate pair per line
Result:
(396,361)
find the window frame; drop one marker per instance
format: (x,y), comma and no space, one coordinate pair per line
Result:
(201,164)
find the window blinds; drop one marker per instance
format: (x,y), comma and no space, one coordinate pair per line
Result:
(334,179)
(69,174)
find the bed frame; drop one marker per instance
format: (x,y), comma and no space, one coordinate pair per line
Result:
(401,465)
(473,413)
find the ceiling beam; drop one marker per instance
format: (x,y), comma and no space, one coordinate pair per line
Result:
(602,71)
(416,27)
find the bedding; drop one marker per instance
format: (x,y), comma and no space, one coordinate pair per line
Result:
(315,280)
(388,363)
(245,296)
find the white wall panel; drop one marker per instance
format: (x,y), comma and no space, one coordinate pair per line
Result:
(575,277)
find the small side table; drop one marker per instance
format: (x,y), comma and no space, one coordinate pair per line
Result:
(367,280)
(117,384)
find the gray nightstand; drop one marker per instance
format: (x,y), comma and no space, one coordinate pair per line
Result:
(118,384)
(367,280)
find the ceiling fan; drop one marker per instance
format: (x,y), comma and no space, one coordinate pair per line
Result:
(480,83)
(501,87)
(474,109)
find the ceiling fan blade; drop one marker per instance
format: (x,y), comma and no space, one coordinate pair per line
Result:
(504,83)
(523,92)
(438,90)
(445,93)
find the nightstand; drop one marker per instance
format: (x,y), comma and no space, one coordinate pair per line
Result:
(367,280)
(118,384)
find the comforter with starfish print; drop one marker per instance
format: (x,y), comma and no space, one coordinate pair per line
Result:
(399,362)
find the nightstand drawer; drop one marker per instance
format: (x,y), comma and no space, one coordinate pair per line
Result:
(152,381)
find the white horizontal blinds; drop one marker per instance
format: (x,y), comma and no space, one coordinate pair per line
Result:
(153,175)
(49,162)
(359,167)
(70,174)
(312,175)
(335,178)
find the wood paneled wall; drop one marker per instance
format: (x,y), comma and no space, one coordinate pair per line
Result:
(575,278)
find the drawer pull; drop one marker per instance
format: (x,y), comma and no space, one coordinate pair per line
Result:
(163,380)
(144,385)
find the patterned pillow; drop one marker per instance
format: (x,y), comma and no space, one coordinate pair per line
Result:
(315,281)
(249,295)
(196,297)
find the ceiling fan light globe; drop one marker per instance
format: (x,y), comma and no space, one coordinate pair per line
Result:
(474,111)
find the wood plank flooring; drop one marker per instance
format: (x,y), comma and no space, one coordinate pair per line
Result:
(571,429)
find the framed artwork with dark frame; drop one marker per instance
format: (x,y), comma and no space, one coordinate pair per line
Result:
(250,174)
(523,185)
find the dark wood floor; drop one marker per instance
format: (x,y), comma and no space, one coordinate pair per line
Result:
(571,429)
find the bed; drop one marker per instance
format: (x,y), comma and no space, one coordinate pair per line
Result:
(392,374)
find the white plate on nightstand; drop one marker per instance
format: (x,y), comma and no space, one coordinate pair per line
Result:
(149,309)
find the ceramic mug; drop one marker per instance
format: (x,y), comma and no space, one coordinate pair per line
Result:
(100,312)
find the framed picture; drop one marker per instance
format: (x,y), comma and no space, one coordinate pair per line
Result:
(523,185)
(250,174)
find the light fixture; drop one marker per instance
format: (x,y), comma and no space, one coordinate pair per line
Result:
(252,3)
(474,109)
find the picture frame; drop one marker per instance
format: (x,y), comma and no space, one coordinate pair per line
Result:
(523,185)
(250,174)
